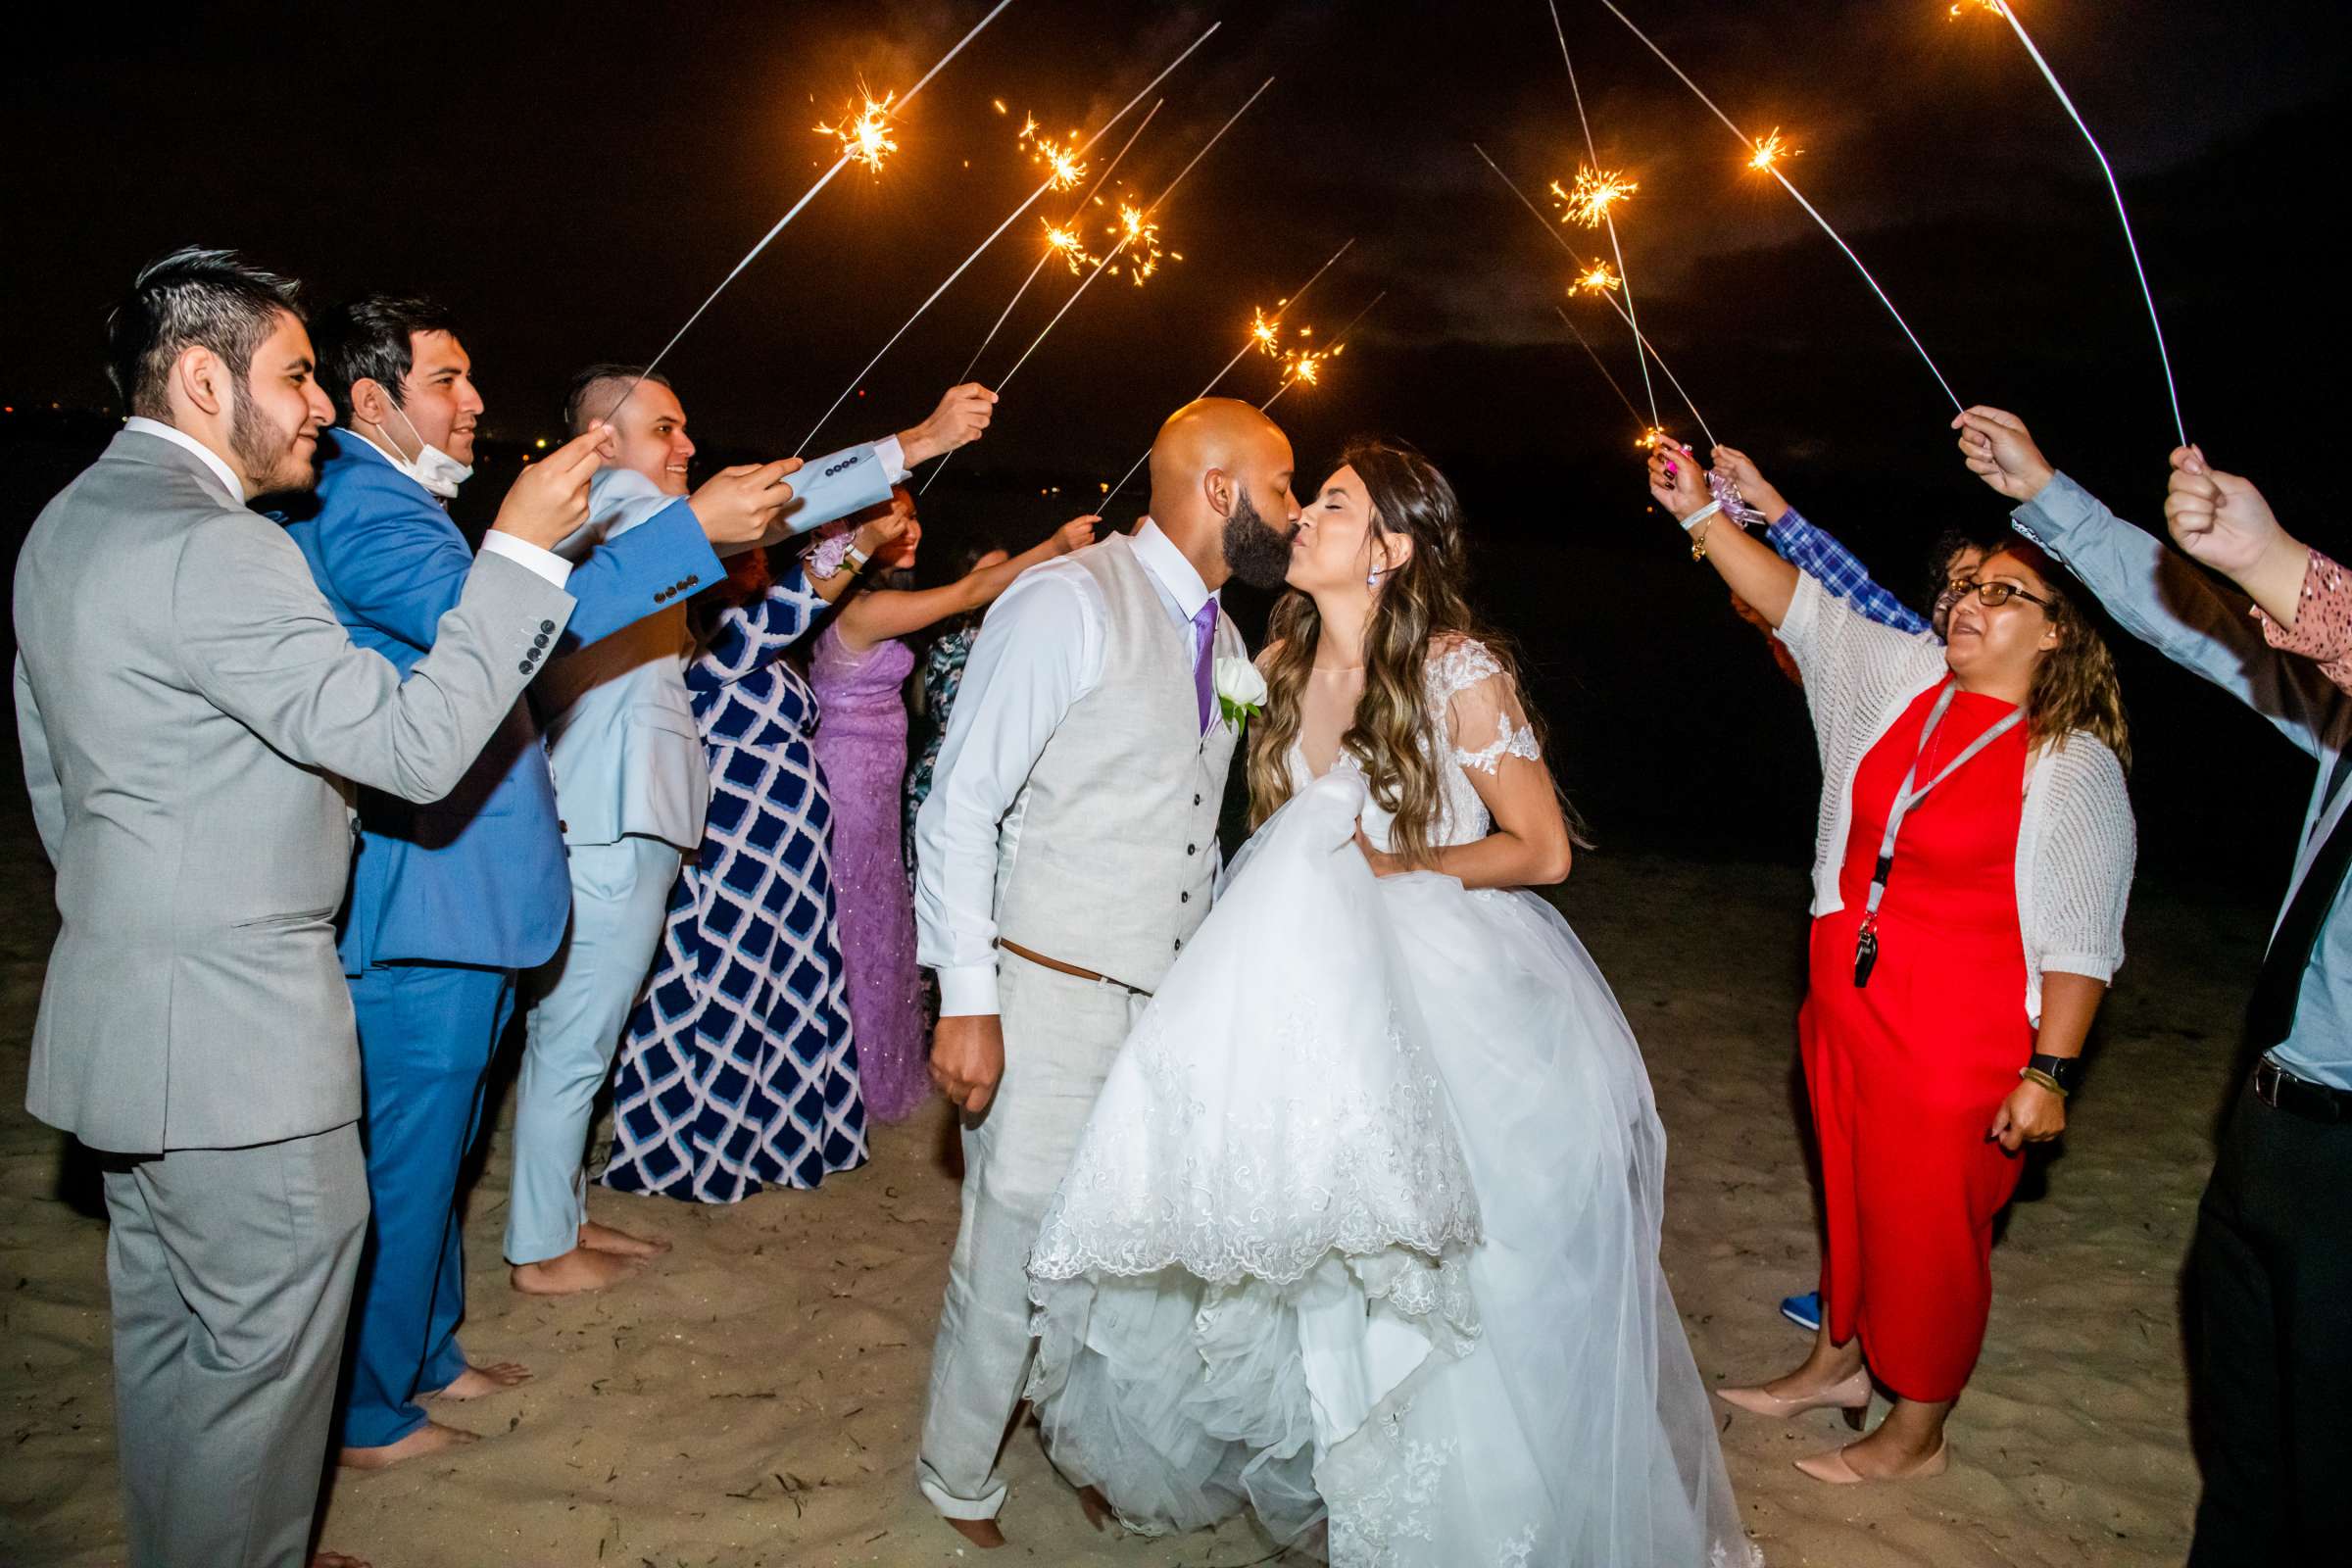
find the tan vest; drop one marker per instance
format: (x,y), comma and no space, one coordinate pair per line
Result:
(1114,855)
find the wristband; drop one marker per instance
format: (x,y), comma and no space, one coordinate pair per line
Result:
(1701,515)
(2064,1072)
(854,558)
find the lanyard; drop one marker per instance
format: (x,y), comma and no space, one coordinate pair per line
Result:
(1866,945)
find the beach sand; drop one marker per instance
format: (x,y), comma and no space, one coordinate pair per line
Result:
(755,1399)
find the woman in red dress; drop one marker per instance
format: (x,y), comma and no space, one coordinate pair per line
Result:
(1972,864)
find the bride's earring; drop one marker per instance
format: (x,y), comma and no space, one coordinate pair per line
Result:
(1372,580)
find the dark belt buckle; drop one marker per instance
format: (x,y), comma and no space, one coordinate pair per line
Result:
(2282,1090)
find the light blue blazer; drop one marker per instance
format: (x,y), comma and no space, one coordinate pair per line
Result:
(477,878)
(619,730)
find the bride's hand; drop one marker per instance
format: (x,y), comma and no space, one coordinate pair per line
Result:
(1383,864)
(967,1060)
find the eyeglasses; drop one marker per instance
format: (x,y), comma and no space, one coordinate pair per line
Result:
(1993,595)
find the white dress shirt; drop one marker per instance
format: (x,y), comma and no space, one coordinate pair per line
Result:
(1038,652)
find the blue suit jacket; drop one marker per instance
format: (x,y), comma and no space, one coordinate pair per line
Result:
(620,730)
(478,877)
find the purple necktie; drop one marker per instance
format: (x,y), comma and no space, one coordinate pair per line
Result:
(1205,638)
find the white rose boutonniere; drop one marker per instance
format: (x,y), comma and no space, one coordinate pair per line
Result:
(1240,691)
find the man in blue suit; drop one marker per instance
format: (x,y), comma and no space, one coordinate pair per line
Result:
(633,784)
(448,902)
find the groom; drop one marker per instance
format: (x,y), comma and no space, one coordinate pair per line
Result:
(1066,851)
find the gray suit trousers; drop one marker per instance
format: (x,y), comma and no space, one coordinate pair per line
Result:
(231,1271)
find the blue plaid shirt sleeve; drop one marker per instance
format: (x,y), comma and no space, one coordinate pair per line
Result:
(1827,562)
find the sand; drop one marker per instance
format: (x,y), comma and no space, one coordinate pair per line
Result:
(756,1400)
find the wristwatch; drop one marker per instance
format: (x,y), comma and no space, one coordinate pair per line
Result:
(2064,1071)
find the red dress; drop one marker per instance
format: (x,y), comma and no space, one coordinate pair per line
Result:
(1906,1074)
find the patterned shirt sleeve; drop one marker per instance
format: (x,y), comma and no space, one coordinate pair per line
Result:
(2323,628)
(1822,558)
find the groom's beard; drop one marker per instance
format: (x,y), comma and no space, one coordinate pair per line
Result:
(1258,554)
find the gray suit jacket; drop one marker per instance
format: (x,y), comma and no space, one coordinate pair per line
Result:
(191,712)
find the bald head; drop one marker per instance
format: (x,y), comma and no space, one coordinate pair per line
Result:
(1221,490)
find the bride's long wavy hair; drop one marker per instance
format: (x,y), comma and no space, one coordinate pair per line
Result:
(1399,743)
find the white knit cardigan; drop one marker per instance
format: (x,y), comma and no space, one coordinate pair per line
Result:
(2076,843)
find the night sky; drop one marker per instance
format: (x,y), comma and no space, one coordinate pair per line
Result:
(573,180)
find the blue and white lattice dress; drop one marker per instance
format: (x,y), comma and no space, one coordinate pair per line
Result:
(738,1070)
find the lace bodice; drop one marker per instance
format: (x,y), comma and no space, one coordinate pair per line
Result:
(1475,720)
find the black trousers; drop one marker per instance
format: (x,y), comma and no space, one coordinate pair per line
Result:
(2273,1270)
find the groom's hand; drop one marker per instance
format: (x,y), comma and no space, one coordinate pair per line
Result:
(967,1060)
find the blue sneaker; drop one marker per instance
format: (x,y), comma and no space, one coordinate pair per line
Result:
(1804,1311)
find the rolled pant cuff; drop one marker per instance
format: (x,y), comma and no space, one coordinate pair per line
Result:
(951,1506)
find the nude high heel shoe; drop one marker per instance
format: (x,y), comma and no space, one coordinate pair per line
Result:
(1832,1468)
(1851,1399)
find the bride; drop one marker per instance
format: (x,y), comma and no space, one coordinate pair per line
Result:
(1363,1230)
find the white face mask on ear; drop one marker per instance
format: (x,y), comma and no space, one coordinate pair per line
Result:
(435,470)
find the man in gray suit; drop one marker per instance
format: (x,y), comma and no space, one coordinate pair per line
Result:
(193,721)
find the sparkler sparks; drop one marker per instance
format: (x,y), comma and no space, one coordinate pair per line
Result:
(1596,192)
(1769,150)
(1065,170)
(1961,7)
(1597,279)
(865,136)
(1263,332)
(1138,236)
(1068,244)
(1303,367)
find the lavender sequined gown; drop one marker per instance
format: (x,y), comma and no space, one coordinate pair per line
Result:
(861,744)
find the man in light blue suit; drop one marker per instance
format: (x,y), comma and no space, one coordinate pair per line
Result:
(449,901)
(633,786)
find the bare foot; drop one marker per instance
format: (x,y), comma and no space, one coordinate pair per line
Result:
(981,1533)
(580,1269)
(336,1559)
(605,1238)
(477,1381)
(429,1439)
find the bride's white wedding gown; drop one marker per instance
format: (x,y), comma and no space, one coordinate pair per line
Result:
(1365,1222)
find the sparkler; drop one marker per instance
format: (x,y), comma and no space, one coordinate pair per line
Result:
(1766,155)
(794,211)
(1308,368)
(1597,279)
(1552,230)
(1064,157)
(1264,330)
(2009,14)
(1062,240)
(1597,192)
(1050,182)
(865,136)
(1138,236)
(1154,206)
(1596,195)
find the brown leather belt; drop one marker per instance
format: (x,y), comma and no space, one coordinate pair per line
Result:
(1070,969)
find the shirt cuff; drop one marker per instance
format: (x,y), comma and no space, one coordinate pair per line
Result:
(894,463)
(529,555)
(967,989)
(2312,635)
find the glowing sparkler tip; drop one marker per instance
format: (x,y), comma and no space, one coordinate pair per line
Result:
(865,136)
(1650,439)
(1961,7)
(1595,191)
(1771,149)
(1597,279)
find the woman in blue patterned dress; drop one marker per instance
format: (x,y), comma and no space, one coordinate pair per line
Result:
(738,1070)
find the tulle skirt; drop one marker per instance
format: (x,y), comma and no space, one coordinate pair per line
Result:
(1363,1235)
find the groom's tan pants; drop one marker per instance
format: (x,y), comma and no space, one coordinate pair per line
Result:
(1060,1035)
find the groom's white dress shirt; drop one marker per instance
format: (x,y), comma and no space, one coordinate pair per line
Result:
(1039,651)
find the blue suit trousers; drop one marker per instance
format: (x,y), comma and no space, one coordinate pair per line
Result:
(427,1032)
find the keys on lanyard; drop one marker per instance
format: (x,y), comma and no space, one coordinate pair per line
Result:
(1866,941)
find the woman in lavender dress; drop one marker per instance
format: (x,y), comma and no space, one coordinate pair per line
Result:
(858,668)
